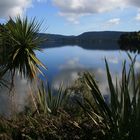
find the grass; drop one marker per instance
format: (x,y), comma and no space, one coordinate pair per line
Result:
(48,102)
(52,117)
(121,118)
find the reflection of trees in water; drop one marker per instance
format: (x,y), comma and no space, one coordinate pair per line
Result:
(130,41)
(110,45)
(131,48)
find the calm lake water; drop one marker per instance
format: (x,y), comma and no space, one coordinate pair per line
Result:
(65,62)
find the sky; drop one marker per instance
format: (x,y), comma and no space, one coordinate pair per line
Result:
(73,17)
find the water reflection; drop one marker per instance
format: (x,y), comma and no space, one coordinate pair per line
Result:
(85,45)
(71,70)
(17,98)
(65,63)
(131,48)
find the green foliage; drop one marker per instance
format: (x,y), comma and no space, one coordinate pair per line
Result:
(47,101)
(121,118)
(130,41)
(2,57)
(21,40)
(117,120)
(130,38)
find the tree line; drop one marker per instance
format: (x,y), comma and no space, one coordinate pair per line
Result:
(130,41)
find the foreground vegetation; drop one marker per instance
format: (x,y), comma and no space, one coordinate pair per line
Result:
(78,112)
(130,41)
(65,117)
(18,41)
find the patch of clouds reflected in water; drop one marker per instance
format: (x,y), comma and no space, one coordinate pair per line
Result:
(70,71)
(17,98)
(64,65)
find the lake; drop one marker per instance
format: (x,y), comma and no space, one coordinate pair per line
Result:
(64,64)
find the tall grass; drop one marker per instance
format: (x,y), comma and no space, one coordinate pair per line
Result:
(121,118)
(46,101)
(118,119)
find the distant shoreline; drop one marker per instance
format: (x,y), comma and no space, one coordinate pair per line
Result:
(90,37)
(88,40)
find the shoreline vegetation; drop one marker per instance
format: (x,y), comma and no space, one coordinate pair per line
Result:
(130,41)
(78,112)
(95,40)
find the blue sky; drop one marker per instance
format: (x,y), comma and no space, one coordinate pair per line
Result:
(72,17)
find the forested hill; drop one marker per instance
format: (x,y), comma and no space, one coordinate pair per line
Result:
(88,37)
(101,36)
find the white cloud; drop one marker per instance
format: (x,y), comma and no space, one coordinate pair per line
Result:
(113,59)
(68,76)
(138,16)
(71,17)
(137,65)
(71,64)
(20,95)
(87,6)
(112,22)
(13,7)
(72,10)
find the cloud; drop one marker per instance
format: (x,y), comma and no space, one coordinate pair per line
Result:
(135,3)
(71,69)
(71,17)
(137,65)
(138,16)
(71,64)
(68,76)
(112,22)
(20,95)
(113,59)
(87,6)
(13,7)
(72,10)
